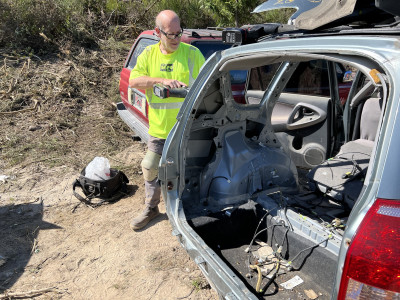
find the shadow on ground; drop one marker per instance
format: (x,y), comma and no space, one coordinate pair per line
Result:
(19,228)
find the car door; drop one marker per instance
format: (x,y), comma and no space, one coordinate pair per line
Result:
(307,117)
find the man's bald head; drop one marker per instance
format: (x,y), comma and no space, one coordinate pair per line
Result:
(165,18)
(168,29)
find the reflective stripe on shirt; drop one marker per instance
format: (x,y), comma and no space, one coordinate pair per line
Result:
(165,105)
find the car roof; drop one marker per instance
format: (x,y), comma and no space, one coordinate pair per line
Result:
(194,34)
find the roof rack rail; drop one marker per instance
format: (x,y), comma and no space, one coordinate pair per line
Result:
(249,34)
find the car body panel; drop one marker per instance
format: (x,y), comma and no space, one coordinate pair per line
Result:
(362,52)
(381,176)
(313,14)
(325,13)
(301,6)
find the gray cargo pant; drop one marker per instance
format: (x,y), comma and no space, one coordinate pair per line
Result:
(152,188)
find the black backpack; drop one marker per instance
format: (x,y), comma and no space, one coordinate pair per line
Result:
(109,190)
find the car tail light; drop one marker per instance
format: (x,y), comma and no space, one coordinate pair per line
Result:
(372,266)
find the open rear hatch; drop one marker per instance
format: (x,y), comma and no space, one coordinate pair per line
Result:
(272,199)
(315,14)
(269,184)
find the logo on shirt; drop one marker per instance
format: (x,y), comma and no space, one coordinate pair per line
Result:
(166,68)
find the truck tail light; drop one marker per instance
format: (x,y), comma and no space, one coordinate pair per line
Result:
(372,266)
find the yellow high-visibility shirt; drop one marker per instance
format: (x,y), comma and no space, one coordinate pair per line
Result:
(186,61)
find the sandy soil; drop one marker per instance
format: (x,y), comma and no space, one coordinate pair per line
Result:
(53,244)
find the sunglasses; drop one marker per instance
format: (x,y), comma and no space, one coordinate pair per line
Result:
(171,36)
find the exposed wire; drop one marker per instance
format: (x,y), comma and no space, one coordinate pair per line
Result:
(290,262)
(287,219)
(271,279)
(355,165)
(279,250)
(261,231)
(282,203)
(255,232)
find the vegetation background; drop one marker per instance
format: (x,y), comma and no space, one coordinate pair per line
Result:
(86,22)
(82,44)
(59,72)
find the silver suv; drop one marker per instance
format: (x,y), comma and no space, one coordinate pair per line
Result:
(294,194)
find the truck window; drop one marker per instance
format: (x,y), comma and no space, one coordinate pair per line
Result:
(140,46)
(207,48)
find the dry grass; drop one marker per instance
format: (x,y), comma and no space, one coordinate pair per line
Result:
(57,109)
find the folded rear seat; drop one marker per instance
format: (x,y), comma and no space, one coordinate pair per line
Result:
(342,176)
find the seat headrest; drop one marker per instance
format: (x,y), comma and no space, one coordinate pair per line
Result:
(363,94)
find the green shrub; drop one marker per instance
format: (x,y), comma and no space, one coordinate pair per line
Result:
(45,24)
(28,22)
(26,19)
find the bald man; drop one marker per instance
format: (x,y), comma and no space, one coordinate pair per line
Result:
(172,63)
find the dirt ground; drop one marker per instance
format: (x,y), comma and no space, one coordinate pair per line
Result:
(55,117)
(49,240)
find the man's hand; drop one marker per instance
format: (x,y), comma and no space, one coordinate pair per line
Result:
(146,82)
(163,92)
(173,84)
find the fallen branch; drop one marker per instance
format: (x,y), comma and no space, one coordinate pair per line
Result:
(54,74)
(186,295)
(20,111)
(29,294)
(4,66)
(14,81)
(59,131)
(11,86)
(155,291)
(13,57)
(80,72)
(75,207)
(34,247)
(112,128)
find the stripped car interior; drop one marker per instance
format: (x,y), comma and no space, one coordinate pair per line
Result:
(282,172)
(287,159)
(265,188)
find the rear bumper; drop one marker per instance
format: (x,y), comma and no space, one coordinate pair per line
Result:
(136,124)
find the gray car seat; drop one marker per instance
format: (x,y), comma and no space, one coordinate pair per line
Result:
(341,177)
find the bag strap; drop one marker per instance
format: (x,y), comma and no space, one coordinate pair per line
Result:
(124,177)
(85,200)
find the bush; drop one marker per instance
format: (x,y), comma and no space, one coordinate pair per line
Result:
(28,22)
(46,24)
(24,20)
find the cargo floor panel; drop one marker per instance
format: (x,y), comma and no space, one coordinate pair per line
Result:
(251,239)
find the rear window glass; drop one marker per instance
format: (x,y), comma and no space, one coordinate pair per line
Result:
(140,46)
(310,78)
(260,77)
